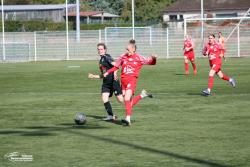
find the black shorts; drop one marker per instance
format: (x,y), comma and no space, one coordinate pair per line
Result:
(113,87)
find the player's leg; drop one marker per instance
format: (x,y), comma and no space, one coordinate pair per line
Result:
(226,78)
(118,91)
(107,105)
(128,106)
(142,95)
(192,60)
(210,82)
(186,65)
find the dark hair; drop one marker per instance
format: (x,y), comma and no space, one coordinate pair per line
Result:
(132,41)
(219,33)
(211,35)
(102,44)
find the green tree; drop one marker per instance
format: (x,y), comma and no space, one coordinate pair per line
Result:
(146,10)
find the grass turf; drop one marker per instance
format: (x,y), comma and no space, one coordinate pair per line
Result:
(177,128)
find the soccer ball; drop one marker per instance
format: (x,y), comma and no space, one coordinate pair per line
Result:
(80,119)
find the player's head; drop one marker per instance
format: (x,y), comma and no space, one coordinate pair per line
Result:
(211,38)
(101,48)
(187,37)
(219,34)
(131,47)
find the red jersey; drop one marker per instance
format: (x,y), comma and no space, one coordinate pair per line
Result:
(131,64)
(214,51)
(187,44)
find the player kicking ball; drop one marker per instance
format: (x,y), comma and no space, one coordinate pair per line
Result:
(214,52)
(189,54)
(131,64)
(110,84)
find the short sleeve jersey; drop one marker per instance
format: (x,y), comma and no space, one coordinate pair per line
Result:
(105,64)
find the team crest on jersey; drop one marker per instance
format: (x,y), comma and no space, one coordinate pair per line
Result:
(130,59)
(211,47)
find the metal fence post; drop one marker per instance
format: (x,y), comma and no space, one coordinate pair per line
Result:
(238,35)
(35,56)
(100,35)
(167,43)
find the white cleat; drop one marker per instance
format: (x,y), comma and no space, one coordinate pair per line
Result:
(144,93)
(232,82)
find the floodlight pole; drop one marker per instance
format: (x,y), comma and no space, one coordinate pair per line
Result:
(133,18)
(78,21)
(3,32)
(202,22)
(67,29)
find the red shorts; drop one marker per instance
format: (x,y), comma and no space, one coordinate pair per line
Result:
(129,83)
(215,65)
(189,56)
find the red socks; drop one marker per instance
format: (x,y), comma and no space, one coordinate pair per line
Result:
(130,104)
(210,82)
(186,68)
(128,108)
(194,67)
(136,99)
(225,77)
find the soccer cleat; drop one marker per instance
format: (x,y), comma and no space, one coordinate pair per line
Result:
(110,118)
(232,82)
(144,93)
(206,92)
(125,122)
(186,72)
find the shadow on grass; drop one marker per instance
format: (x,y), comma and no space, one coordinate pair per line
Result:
(48,131)
(70,128)
(152,150)
(195,94)
(180,74)
(100,118)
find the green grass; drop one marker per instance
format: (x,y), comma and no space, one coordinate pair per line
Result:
(177,128)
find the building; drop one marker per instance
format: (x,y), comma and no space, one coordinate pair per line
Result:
(182,9)
(53,13)
(93,17)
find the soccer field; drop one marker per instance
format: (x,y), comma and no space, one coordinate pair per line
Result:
(177,128)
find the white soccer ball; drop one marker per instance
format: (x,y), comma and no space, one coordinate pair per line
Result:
(80,119)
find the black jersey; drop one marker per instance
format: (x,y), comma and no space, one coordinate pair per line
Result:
(105,64)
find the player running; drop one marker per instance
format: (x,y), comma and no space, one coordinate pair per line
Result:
(110,84)
(189,54)
(221,41)
(131,64)
(214,50)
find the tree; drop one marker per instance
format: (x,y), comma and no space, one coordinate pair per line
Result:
(145,10)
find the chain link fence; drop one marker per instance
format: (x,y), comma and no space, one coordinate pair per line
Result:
(166,43)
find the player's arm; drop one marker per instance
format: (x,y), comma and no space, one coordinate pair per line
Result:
(205,51)
(149,60)
(95,76)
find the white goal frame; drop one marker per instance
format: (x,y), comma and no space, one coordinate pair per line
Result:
(245,17)
(133,37)
(17,43)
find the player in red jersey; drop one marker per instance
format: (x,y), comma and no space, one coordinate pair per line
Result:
(189,54)
(221,40)
(131,64)
(214,50)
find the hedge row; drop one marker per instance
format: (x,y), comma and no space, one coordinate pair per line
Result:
(30,26)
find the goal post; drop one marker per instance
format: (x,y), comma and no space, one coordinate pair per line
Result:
(233,29)
(127,32)
(17,52)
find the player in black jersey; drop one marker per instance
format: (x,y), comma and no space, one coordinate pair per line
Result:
(111,84)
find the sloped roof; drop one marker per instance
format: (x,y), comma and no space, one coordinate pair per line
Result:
(186,6)
(36,7)
(93,14)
